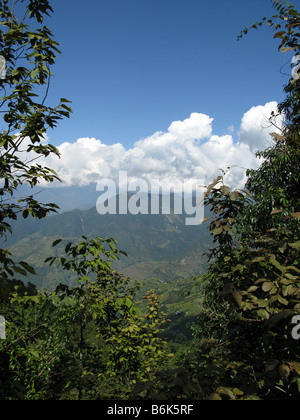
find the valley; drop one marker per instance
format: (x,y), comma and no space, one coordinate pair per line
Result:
(162,253)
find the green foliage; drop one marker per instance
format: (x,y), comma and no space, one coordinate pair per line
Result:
(29,55)
(31,348)
(286,22)
(135,350)
(69,342)
(96,340)
(91,341)
(252,287)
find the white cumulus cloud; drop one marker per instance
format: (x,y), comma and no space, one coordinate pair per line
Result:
(255,126)
(187,150)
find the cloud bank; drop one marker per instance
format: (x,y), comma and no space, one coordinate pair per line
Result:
(187,150)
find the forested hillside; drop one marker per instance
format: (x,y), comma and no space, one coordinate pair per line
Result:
(160,246)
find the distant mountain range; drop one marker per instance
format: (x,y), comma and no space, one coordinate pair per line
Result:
(158,246)
(67,198)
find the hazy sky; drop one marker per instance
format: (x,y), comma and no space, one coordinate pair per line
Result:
(162,86)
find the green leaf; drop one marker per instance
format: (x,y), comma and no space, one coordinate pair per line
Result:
(237,297)
(226,391)
(262,303)
(279,34)
(56,242)
(28,267)
(284,371)
(258,259)
(252,289)
(267,286)
(263,314)
(15,72)
(35,299)
(225,190)
(238,392)
(277,211)
(291,277)
(34,73)
(218,231)
(277,265)
(68,246)
(19,270)
(282,300)
(295,245)
(296,215)
(286,49)
(25,213)
(234,195)
(128,302)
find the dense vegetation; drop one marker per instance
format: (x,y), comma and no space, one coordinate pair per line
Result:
(103,338)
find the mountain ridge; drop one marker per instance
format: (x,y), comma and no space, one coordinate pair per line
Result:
(158,246)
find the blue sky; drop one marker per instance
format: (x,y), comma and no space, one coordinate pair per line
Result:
(163,89)
(131,67)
